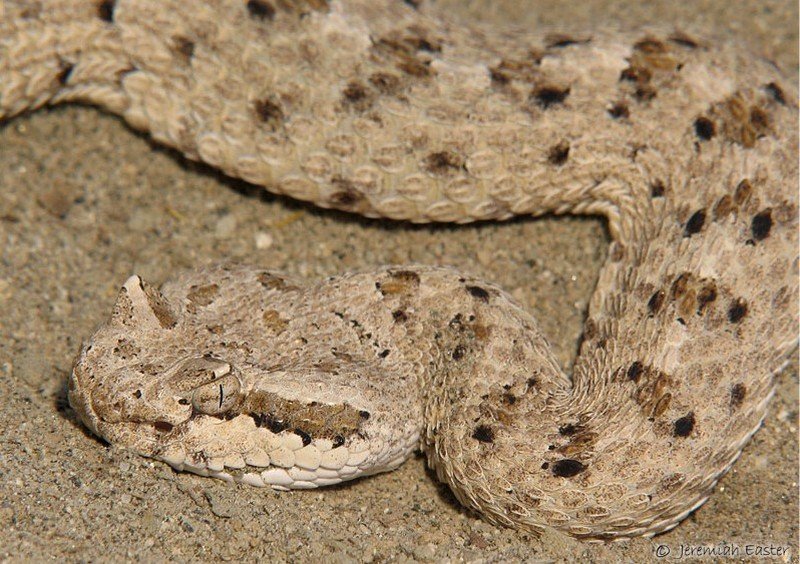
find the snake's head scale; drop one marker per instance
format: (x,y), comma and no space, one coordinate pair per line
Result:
(133,382)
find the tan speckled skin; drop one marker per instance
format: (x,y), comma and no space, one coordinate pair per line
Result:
(687,146)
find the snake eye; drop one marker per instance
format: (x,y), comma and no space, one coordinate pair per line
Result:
(210,384)
(218,397)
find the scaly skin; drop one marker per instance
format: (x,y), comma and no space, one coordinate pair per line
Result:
(688,148)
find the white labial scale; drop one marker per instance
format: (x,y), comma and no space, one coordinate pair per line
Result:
(335,459)
(326,473)
(348,471)
(308,457)
(282,457)
(221,476)
(277,477)
(323,445)
(234,461)
(357,458)
(292,441)
(216,464)
(299,474)
(252,479)
(257,457)
(327,481)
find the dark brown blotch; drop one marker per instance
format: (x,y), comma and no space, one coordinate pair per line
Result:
(657,189)
(635,371)
(619,110)
(268,111)
(761,225)
(737,310)
(680,285)
(260,9)
(550,95)
(743,191)
(478,293)
(724,207)
(684,426)
(558,154)
(655,302)
(356,95)
(105,10)
(776,92)
(306,438)
(384,82)
(346,195)
(738,393)
(704,128)
(183,47)
(399,316)
(483,433)
(443,162)
(458,352)
(695,223)
(163,426)
(567,468)
(568,429)
(706,296)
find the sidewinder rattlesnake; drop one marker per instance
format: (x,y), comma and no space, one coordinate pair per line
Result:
(688,148)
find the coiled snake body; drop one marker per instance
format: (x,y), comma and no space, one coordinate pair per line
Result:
(688,148)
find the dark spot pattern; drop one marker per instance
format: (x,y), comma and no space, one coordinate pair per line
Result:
(776,92)
(346,195)
(443,162)
(657,189)
(567,468)
(260,9)
(268,112)
(635,371)
(105,10)
(738,393)
(458,352)
(706,296)
(483,433)
(568,429)
(478,293)
(619,110)
(737,310)
(558,154)
(399,315)
(356,95)
(695,223)
(704,128)
(304,436)
(655,302)
(163,426)
(268,421)
(184,47)
(547,96)
(684,426)
(384,82)
(761,225)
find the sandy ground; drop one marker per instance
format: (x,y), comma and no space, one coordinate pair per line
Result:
(84,202)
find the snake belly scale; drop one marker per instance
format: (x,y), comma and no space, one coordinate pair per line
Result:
(688,147)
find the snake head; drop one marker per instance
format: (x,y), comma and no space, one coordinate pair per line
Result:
(132,382)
